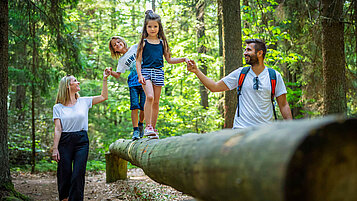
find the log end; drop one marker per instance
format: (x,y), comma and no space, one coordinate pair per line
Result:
(324,166)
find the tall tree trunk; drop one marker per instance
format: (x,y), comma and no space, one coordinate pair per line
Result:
(200,16)
(232,52)
(33,92)
(219,21)
(355,18)
(21,88)
(221,68)
(153,5)
(5,178)
(333,54)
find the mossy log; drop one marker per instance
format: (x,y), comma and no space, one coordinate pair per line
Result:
(310,160)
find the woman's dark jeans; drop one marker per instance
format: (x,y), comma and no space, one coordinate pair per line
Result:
(73,149)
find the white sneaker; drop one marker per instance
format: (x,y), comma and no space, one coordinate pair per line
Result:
(153,136)
(149,131)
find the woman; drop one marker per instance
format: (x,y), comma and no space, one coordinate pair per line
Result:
(71,144)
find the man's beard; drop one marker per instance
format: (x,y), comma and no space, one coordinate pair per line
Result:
(253,59)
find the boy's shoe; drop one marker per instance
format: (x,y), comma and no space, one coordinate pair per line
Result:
(149,131)
(141,129)
(136,135)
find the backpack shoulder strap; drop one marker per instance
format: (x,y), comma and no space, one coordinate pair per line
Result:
(242,76)
(241,79)
(272,76)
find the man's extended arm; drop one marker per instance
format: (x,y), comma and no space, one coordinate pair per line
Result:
(209,83)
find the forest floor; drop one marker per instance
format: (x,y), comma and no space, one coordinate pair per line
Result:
(138,186)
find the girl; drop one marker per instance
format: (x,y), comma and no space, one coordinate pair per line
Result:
(149,62)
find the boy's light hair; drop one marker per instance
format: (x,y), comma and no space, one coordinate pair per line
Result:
(63,90)
(114,54)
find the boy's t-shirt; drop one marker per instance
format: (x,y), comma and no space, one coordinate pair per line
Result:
(128,62)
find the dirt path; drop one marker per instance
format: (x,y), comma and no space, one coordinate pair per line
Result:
(138,186)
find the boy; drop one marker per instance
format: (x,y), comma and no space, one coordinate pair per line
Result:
(126,61)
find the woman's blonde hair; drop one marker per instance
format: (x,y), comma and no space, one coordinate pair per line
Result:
(63,95)
(114,54)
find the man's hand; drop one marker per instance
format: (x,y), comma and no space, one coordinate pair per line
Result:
(191,66)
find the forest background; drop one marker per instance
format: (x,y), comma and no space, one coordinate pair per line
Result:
(49,39)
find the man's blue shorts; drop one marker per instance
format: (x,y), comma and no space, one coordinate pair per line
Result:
(137,98)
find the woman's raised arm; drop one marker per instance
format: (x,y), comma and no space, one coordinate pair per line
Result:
(104,95)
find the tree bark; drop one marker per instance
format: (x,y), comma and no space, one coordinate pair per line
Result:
(200,31)
(153,5)
(333,54)
(219,21)
(221,68)
(232,52)
(32,24)
(355,18)
(310,160)
(5,177)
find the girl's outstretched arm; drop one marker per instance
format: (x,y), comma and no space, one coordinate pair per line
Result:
(171,60)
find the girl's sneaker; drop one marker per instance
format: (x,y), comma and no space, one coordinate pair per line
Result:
(149,131)
(153,137)
(156,136)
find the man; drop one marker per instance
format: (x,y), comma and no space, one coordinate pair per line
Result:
(255,105)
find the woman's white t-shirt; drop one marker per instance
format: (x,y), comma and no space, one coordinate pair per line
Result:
(73,118)
(255,106)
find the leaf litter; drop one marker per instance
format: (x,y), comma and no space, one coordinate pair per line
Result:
(138,187)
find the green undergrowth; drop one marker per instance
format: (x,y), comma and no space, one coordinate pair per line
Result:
(51,166)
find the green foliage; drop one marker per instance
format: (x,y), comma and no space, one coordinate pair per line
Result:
(95,166)
(73,39)
(41,166)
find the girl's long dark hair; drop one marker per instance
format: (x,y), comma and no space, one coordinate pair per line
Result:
(150,15)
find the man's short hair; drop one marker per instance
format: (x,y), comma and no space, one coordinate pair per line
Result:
(258,45)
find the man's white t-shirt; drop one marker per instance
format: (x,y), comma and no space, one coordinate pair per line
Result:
(255,106)
(73,118)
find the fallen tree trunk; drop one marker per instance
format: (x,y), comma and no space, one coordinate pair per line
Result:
(290,160)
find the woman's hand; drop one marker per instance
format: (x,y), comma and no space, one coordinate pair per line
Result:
(55,155)
(141,79)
